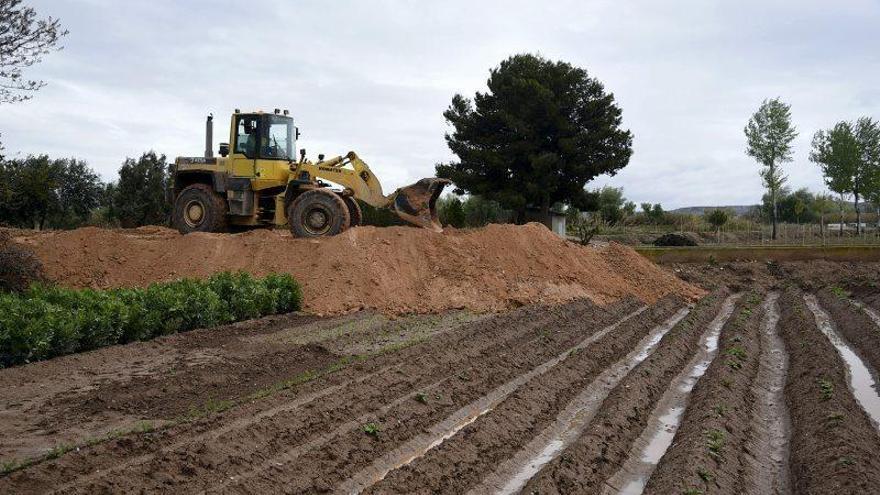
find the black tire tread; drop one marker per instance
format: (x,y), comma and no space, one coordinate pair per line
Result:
(216,206)
(329,198)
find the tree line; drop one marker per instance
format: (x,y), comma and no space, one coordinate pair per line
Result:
(40,192)
(847,153)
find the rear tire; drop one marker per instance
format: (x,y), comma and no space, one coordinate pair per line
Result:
(199,209)
(317,213)
(354,211)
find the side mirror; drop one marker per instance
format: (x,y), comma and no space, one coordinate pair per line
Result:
(224,149)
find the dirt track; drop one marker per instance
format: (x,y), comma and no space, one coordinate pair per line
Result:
(740,393)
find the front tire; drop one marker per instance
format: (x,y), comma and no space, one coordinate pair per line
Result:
(317,213)
(354,211)
(199,209)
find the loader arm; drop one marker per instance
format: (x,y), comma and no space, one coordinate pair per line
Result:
(414,204)
(353,174)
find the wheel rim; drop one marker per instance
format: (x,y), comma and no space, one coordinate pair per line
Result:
(317,220)
(194,213)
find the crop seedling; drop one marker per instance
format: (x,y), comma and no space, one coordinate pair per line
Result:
(846,461)
(734,365)
(692,491)
(737,352)
(8,466)
(726,383)
(371,429)
(59,450)
(715,441)
(835,419)
(719,410)
(705,475)
(839,292)
(422,397)
(827,388)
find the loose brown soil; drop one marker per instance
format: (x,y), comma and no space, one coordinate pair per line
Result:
(315,422)
(723,401)
(458,401)
(393,270)
(859,330)
(868,293)
(808,275)
(595,456)
(833,444)
(71,399)
(509,426)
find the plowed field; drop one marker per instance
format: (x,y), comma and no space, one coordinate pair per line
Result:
(762,389)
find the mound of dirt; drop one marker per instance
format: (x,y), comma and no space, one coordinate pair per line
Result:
(18,266)
(676,239)
(393,270)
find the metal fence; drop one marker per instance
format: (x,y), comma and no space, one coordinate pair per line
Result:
(750,233)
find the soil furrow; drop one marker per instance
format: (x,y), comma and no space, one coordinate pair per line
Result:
(158,465)
(595,455)
(727,440)
(833,443)
(862,377)
(767,451)
(530,410)
(403,436)
(855,325)
(570,423)
(666,417)
(871,312)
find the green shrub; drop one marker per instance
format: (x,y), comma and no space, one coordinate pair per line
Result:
(288,294)
(240,293)
(46,321)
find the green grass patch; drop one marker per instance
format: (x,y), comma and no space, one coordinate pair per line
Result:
(47,321)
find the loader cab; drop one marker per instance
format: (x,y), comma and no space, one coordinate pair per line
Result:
(262,145)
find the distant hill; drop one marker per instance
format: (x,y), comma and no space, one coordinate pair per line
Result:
(699,210)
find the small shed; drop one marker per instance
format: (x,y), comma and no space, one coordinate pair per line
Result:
(554,220)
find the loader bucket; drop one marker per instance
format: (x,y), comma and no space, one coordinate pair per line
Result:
(417,203)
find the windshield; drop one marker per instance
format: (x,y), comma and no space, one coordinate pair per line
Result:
(278,138)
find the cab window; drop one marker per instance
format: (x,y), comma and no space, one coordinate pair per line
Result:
(246,136)
(278,140)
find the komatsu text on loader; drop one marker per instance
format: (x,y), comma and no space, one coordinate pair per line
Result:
(257,181)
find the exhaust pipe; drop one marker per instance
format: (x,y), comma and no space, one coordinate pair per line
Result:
(209,136)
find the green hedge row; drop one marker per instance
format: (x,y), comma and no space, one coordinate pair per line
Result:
(45,321)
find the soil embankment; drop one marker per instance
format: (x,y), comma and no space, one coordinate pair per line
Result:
(392,270)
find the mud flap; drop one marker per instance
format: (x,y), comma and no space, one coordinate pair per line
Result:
(417,203)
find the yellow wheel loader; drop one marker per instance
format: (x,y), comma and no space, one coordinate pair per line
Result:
(257,181)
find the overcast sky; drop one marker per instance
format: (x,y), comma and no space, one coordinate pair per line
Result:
(376,76)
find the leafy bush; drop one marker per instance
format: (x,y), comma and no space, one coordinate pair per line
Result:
(288,295)
(47,321)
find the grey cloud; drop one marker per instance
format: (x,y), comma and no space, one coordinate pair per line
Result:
(376,76)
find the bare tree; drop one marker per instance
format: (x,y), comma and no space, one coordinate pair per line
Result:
(24,39)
